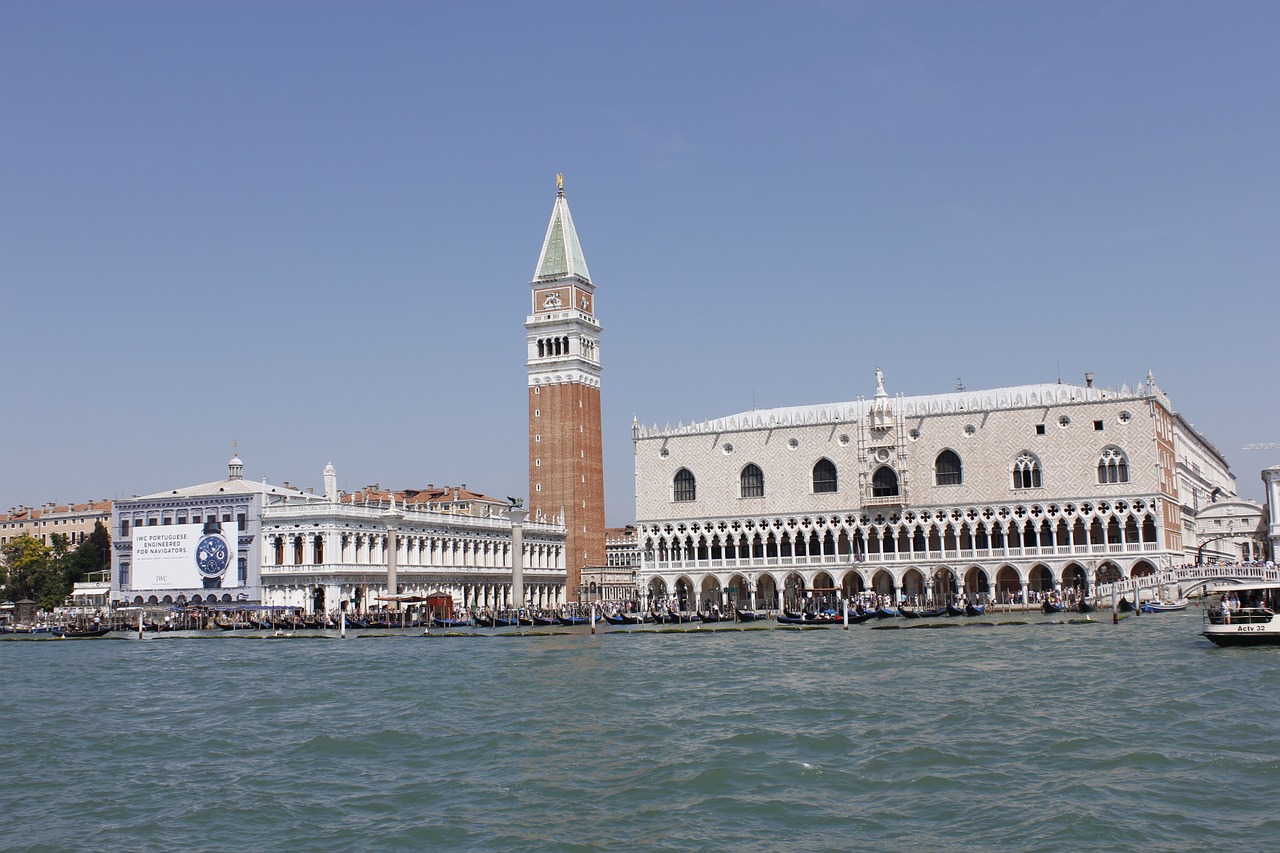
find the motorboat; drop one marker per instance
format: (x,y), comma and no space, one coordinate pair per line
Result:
(1164,606)
(1252,623)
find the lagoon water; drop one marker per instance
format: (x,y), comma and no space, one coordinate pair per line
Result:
(1035,736)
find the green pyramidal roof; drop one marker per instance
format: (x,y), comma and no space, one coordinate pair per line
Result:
(561,251)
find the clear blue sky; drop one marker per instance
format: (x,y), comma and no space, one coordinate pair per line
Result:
(309,227)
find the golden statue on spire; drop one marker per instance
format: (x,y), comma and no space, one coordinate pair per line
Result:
(560,182)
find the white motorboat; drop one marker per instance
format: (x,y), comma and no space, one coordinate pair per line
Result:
(1164,606)
(1243,615)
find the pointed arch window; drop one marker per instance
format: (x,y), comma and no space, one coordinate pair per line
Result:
(884,482)
(1026,472)
(752,481)
(1113,465)
(686,485)
(824,477)
(947,469)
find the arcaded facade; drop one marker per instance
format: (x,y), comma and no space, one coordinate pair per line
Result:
(993,493)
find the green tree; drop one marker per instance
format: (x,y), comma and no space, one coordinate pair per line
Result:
(76,565)
(27,569)
(101,540)
(59,545)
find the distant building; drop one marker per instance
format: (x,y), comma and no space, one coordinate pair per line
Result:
(1229,531)
(619,579)
(1271,477)
(566,457)
(75,521)
(318,553)
(993,492)
(158,541)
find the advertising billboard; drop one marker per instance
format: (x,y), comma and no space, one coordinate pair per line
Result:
(184,556)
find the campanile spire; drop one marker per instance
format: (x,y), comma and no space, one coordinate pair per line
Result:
(566,460)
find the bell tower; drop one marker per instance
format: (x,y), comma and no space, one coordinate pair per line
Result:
(566,458)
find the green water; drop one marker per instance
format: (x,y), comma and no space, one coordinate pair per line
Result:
(1032,736)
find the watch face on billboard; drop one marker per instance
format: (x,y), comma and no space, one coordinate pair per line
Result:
(213,555)
(181,556)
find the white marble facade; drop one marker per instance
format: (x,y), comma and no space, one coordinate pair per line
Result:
(319,553)
(1003,490)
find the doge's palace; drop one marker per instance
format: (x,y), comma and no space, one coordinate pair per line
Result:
(992,493)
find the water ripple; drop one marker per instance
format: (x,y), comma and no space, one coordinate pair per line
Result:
(1004,736)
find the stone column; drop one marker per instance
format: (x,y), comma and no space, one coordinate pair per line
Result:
(517,513)
(390,518)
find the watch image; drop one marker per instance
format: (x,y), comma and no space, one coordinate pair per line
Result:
(213,555)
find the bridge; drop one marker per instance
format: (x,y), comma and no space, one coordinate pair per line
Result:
(1190,579)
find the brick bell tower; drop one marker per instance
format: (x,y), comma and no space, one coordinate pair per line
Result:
(566,459)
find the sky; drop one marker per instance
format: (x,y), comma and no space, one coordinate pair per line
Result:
(306,230)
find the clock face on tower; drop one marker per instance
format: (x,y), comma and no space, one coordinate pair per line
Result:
(213,555)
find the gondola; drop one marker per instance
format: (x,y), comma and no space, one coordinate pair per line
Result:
(859,618)
(1083,606)
(441,622)
(673,618)
(749,615)
(1124,605)
(885,613)
(952,610)
(79,633)
(506,622)
(1050,607)
(574,621)
(974,610)
(930,614)
(544,621)
(712,617)
(908,613)
(786,618)
(803,619)
(624,619)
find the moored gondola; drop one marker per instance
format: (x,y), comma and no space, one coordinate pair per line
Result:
(749,615)
(1083,606)
(441,622)
(1050,607)
(952,610)
(1124,605)
(82,633)
(712,616)
(624,619)
(974,610)
(574,621)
